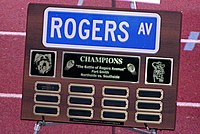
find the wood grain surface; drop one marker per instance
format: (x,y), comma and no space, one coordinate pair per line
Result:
(169,48)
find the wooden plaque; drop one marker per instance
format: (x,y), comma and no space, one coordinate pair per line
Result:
(81,83)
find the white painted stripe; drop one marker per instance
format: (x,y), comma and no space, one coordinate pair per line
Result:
(189,41)
(7,95)
(13,33)
(179,104)
(24,34)
(188,104)
(144,1)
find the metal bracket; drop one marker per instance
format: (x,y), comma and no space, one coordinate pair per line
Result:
(133,4)
(140,131)
(80,2)
(148,130)
(39,124)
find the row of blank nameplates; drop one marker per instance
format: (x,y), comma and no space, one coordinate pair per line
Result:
(114,102)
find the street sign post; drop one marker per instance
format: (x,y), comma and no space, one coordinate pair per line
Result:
(101,66)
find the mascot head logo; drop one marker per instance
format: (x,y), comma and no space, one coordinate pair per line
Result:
(43,63)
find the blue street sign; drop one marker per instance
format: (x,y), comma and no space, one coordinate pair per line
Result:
(102,30)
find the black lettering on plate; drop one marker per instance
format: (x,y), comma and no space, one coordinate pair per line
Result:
(101,67)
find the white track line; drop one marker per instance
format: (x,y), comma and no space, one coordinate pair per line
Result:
(13,33)
(24,34)
(179,104)
(7,95)
(188,104)
(189,41)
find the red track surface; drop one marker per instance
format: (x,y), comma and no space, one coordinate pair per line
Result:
(13,18)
